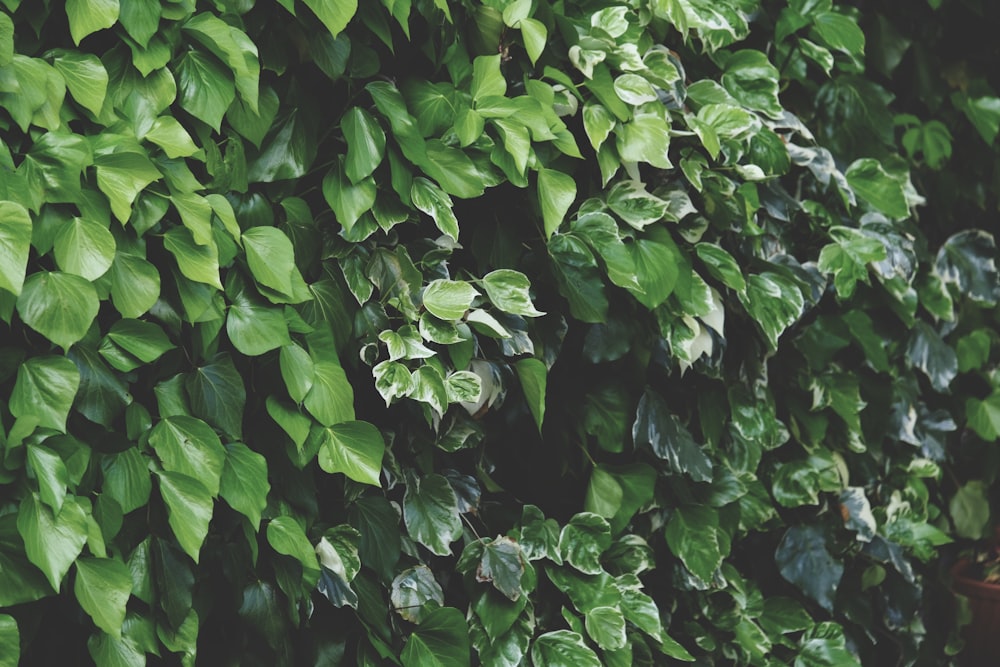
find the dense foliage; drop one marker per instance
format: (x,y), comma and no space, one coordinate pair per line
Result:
(450,332)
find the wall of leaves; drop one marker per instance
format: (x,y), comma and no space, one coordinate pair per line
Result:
(500,332)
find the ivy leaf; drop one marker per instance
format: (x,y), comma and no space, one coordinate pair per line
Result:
(583,540)
(430,511)
(51,473)
(840,32)
(535,35)
(335,14)
(121,177)
(127,479)
(337,553)
(378,522)
(15,244)
(803,560)
(205,88)
(10,642)
(103,587)
(984,415)
(876,186)
(606,626)
(354,448)
(297,371)
(436,203)
(449,299)
(441,640)
(928,352)
(411,589)
(970,510)
(52,541)
(84,248)
(217,395)
(656,427)
(244,482)
(286,536)
(348,200)
(503,565)
(85,77)
(199,263)
(563,648)
(774,302)
(45,389)
(144,340)
(254,327)
(365,144)
(135,285)
(556,193)
(331,398)
(968,261)
(753,80)
(533,376)
(60,306)
(693,535)
(509,291)
(89,16)
(190,447)
(171,136)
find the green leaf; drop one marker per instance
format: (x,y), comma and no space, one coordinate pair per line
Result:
(436,203)
(774,302)
(449,299)
(583,540)
(140,19)
(254,327)
(89,16)
(503,565)
(335,14)
(365,144)
(968,261)
(693,535)
(804,560)
(578,278)
(354,448)
(984,415)
(840,32)
(50,471)
(533,374)
(52,541)
(337,553)
(556,193)
(85,77)
(205,88)
(656,427)
(656,261)
(932,355)
(878,187)
(244,482)
(721,266)
(190,447)
(171,136)
(331,398)
(135,285)
(286,536)
(411,589)
(970,510)
(430,511)
(10,642)
(144,340)
(271,258)
(127,479)
(189,510)
(297,371)
(44,390)
(441,640)
(103,587)
(487,78)
(84,248)
(348,200)
(60,306)
(232,46)
(378,522)
(645,139)
(535,35)
(606,626)
(15,244)
(121,177)
(563,648)
(753,81)
(982,112)
(509,291)
(217,395)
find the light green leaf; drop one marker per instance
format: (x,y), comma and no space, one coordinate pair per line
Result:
(487,78)
(84,248)
(171,136)
(970,510)
(533,375)
(774,301)
(503,565)
(721,266)
(297,371)
(103,587)
(144,340)
(15,244)
(85,77)
(255,327)
(121,177)
(509,291)
(984,415)
(244,482)
(189,510)
(354,448)
(127,479)
(436,203)
(441,640)
(556,193)
(430,511)
(645,139)
(190,447)
(44,390)
(205,89)
(535,35)
(60,306)
(89,16)
(840,32)
(135,285)
(598,123)
(140,19)
(331,398)
(563,648)
(50,471)
(52,541)
(693,535)
(876,186)
(348,200)
(606,626)
(286,536)
(751,78)
(271,258)
(656,267)
(449,299)
(335,14)
(232,46)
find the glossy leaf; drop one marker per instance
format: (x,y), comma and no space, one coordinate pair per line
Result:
(354,448)
(60,306)
(44,390)
(103,587)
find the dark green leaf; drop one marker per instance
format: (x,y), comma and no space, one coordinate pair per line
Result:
(217,395)
(804,560)
(190,447)
(656,427)
(563,648)
(441,640)
(244,482)
(430,510)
